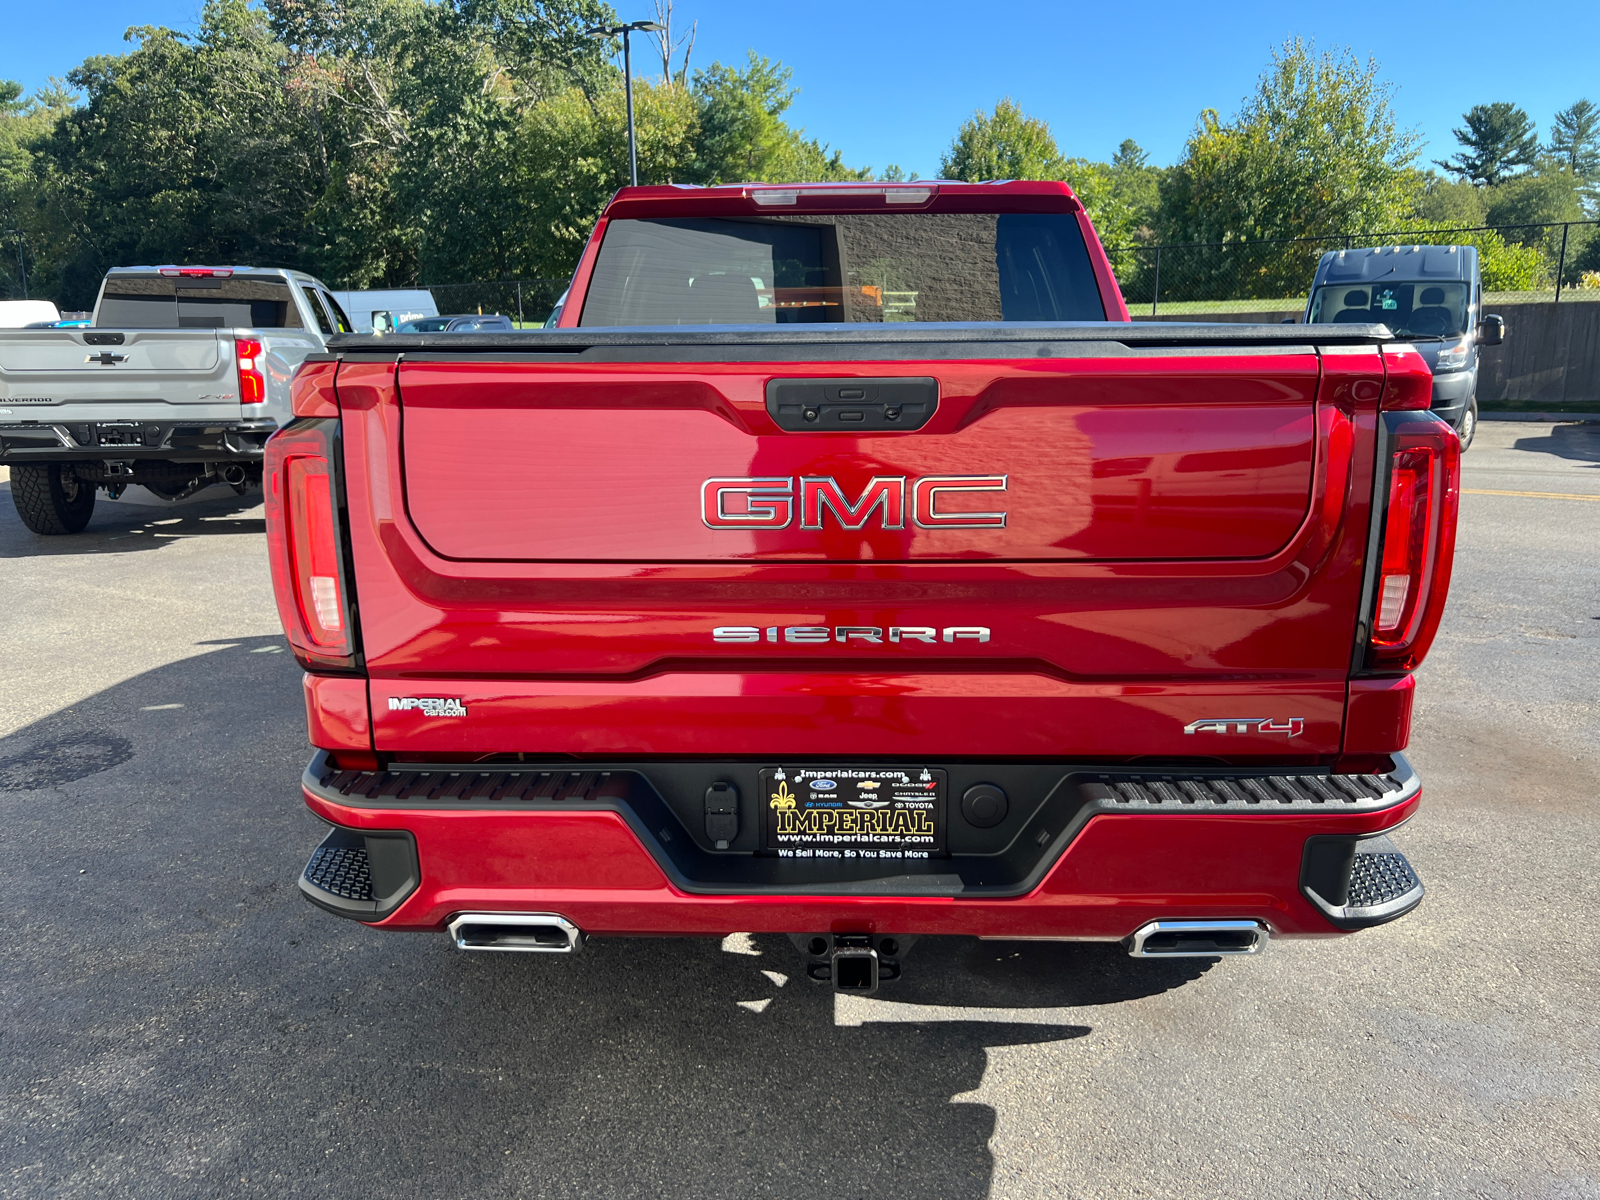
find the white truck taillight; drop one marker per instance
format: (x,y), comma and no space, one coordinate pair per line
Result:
(304,542)
(252,383)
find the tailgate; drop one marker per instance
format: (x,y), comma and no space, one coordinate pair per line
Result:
(1103,550)
(1166,457)
(141,373)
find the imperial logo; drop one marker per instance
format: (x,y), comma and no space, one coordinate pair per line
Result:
(773,502)
(1289,727)
(429,706)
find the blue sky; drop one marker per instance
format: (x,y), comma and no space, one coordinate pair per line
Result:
(890,82)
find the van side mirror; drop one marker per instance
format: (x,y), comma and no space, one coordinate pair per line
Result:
(1491,331)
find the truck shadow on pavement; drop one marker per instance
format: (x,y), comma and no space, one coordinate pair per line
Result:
(118,526)
(1578,442)
(181,1022)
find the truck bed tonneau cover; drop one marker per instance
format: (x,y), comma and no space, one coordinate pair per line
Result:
(866,340)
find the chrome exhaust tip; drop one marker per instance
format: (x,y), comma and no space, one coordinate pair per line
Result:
(516,933)
(1197,939)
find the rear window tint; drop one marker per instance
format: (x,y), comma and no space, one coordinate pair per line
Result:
(850,267)
(161,302)
(318,313)
(341,321)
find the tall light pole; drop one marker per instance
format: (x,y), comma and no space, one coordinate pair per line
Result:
(611,31)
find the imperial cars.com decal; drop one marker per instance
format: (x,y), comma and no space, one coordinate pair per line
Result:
(429,706)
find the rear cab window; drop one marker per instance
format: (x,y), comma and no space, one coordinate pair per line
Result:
(155,301)
(318,313)
(843,268)
(341,322)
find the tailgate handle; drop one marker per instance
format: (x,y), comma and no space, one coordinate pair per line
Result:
(899,404)
(102,339)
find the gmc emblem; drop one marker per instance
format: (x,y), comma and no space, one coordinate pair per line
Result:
(740,502)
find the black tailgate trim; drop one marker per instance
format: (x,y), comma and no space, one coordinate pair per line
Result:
(845,343)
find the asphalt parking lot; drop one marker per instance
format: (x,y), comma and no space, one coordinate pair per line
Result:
(178,1022)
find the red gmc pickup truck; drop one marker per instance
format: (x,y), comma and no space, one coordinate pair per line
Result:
(843,563)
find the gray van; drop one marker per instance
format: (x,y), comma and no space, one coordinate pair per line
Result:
(1430,296)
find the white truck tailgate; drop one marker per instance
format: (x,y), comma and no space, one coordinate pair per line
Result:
(144,374)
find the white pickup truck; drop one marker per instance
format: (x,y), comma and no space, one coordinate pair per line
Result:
(176,386)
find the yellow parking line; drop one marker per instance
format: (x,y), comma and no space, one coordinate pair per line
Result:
(1533,495)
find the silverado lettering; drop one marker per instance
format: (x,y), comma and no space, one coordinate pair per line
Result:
(976,558)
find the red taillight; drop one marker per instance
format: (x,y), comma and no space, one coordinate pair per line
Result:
(1407,538)
(1408,381)
(314,551)
(252,383)
(1419,525)
(304,542)
(197,272)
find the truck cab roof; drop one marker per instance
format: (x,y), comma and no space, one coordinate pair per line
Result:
(1373,263)
(773,199)
(201,271)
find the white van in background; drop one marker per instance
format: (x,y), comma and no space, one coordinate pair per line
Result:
(381,312)
(21,314)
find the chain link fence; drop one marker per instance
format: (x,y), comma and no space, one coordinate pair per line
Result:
(1558,262)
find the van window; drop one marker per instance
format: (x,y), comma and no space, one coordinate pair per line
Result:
(198,302)
(1408,309)
(852,267)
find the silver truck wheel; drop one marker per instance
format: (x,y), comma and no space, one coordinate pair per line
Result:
(1469,423)
(51,499)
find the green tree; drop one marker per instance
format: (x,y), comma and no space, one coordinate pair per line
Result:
(569,164)
(371,141)
(186,148)
(1315,150)
(1534,198)
(1450,202)
(1137,186)
(741,135)
(16,162)
(1575,139)
(1498,140)
(1007,144)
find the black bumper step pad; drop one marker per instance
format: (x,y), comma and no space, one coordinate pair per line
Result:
(362,873)
(1236,790)
(1378,879)
(1359,882)
(342,871)
(494,787)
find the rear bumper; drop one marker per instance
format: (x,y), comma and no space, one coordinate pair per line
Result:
(115,441)
(1092,857)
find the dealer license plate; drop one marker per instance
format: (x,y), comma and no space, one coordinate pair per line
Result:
(854,812)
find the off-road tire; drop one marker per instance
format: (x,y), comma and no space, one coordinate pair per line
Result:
(1469,424)
(50,499)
